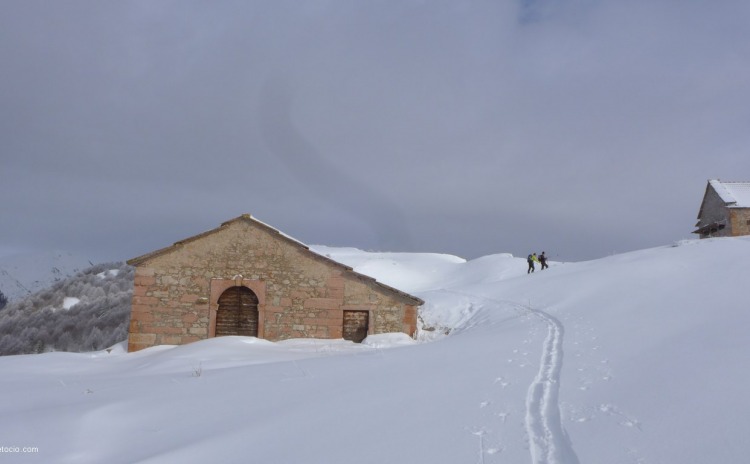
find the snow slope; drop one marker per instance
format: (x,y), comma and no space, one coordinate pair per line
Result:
(635,358)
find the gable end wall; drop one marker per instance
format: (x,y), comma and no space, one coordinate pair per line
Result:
(713,210)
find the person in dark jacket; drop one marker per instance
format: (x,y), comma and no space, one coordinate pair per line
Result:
(543,261)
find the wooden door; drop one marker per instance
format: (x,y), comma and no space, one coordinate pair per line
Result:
(237,313)
(356,324)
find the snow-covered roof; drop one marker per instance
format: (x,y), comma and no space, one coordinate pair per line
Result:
(734,194)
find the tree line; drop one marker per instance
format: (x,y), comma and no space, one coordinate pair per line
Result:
(97,315)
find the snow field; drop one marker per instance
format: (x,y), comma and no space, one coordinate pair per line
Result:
(634,358)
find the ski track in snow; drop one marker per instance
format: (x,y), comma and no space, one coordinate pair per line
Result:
(548,441)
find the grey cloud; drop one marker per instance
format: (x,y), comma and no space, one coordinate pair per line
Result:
(583,128)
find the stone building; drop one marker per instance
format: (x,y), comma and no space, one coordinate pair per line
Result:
(247,278)
(725,210)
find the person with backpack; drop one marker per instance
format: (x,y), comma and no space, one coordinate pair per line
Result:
(531,260)
(543,261)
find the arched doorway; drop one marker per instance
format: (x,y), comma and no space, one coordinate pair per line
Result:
(237,313)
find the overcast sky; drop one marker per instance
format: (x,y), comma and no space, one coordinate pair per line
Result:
(579,127)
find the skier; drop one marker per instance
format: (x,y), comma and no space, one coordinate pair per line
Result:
(531,260)
(543,261)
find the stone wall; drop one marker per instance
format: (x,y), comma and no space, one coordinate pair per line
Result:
(300,294)
(740,221)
